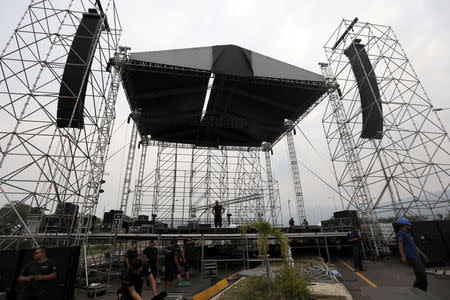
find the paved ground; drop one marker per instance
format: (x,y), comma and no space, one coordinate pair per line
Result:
(389,273)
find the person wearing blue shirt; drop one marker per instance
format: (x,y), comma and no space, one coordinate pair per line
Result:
(355,241)
(411,254)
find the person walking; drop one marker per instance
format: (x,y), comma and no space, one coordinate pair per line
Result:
(411,254)
(218,210)
(171,264)
(131,255)
(150,256)
(355,240)
(188,255)
(38,277)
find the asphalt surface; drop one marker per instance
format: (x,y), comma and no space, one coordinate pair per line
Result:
(389,273)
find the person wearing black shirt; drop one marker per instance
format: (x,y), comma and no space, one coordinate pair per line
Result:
(150,255)
(218,210)
(39,277)
(291,224)
(188,255)
(131,255)
(355,241)
(133,278)
(172,263)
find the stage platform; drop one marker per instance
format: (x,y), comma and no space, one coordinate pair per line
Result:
(169,236)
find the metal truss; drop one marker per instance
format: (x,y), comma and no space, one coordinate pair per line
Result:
(43,165)
(186,182)
(300,204)
(407,171)
(126,189)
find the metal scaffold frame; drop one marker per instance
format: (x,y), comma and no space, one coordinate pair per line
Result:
(186,182)
(43,165)
(405,173)
(300,204)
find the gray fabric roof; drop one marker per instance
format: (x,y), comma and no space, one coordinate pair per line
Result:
(202,58)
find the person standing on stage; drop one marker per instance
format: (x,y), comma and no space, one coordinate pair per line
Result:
(131,255)
(411,254)
(39,277)
(171,263)
(291,224)
(355,240)
(133,280)
(218,210)
(150,256)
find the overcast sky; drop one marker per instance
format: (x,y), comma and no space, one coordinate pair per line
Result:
(291,31)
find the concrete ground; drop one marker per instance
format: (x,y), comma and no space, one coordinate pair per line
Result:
(388,273)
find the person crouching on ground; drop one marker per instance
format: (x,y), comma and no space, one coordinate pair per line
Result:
(411,254)
(133,279)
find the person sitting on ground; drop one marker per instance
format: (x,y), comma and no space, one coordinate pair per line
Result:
(171,263)
(133,279)
(218,210)
(131,255)
(411,254)
(39,277)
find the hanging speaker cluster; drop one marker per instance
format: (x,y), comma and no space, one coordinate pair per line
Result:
(72,92)
(369,92)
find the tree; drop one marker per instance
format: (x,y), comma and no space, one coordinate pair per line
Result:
(264,229)
(9,219)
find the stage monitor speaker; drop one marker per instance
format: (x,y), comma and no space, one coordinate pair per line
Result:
(368,90)
(428,239)
(75,77)
(9,271)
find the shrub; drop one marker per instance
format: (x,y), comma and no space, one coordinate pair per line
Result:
(288,284)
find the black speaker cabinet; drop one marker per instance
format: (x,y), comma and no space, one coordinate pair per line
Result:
(368,90)
(75,77)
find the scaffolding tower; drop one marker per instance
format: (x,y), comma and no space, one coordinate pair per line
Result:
(42,165)
(300,204)
(186,181)
(404,173)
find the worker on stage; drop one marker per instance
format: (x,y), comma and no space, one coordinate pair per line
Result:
(38,277)
(291,224)
(411,254)
(355,240)
(131,255)
(172,259)
(217,211)
(133,279)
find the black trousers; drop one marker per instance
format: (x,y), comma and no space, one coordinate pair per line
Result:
(357,259)
(419,270)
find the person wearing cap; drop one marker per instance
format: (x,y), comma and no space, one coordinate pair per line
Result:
(411,254)
(355,240)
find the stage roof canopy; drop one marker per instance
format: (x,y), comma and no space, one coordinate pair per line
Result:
(216,96)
